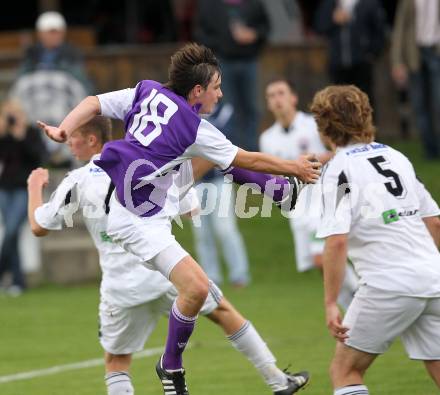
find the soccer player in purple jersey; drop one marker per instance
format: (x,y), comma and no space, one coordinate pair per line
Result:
(163,130)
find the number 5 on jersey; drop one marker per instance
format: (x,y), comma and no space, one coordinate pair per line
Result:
(395,185)
(148,117)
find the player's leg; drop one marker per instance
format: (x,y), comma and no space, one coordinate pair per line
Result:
(421,339)
(433,367)
(123,331)
(117,378)
(347,370)
(375,318)
(191,283)
(244,338)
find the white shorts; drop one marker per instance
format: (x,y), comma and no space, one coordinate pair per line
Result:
(150,239)
(306,244)
(124,330)
(376,317)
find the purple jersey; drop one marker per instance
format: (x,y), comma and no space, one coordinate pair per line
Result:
(162,131)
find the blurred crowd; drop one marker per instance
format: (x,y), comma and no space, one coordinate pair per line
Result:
(52,79)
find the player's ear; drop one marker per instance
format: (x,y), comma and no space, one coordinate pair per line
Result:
(198,90)
(92,140)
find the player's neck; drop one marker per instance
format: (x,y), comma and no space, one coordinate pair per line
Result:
(287,119)
(92,153)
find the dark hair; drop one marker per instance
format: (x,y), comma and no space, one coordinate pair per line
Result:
(191,65)
(286,80)
(99,126)
(344,115)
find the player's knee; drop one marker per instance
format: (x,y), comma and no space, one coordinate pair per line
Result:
(198,289)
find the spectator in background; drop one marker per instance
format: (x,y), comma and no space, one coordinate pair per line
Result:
(21,150)
(51,78)
(236,31)
(217,199)
(415,58)
(355,30)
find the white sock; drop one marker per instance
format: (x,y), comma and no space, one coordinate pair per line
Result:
(119,383)
(349,287)
(356,389)
(249,343)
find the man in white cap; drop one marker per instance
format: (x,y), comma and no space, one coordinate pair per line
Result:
(51,52)
(51,78)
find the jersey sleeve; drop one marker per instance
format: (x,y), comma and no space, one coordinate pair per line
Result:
(336,202)
(50,215)
(428,207)
(211,144)
(116,104)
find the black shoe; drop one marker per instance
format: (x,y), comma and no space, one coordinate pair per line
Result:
(173,383)
(295,382)
(296,186)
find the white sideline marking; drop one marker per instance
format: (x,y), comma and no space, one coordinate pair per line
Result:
(72,366)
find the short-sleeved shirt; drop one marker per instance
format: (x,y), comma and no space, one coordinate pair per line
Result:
(125,282)
(301,137)
(371,193)
(162,131)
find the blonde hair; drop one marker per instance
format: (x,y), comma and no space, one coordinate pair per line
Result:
(344,115)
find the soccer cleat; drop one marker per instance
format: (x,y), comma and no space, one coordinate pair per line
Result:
(289,201)
(173,383)
(295,382)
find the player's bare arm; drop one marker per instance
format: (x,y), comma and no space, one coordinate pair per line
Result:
(78,117)
(433,225)
(334,261)
(304,167)
(37,180)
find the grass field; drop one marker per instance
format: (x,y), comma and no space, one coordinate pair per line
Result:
(52,326)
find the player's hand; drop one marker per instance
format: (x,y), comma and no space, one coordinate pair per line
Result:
(53,132)
(38,178)
(309,168)
(334,323)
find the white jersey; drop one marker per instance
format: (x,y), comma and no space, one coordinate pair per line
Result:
(380,204)
(125,282)
(302,137)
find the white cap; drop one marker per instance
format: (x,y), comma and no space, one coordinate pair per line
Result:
(50,20)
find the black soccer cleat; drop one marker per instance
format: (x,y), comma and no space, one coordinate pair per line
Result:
(295,382)
(289,201)
(173,383)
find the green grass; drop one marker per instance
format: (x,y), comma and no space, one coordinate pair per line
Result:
(54,325)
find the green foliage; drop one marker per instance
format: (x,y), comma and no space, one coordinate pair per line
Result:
(53,325)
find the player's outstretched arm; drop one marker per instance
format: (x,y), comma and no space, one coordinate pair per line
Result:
(37,180)
(277,188)
(307,168)
(79,116)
